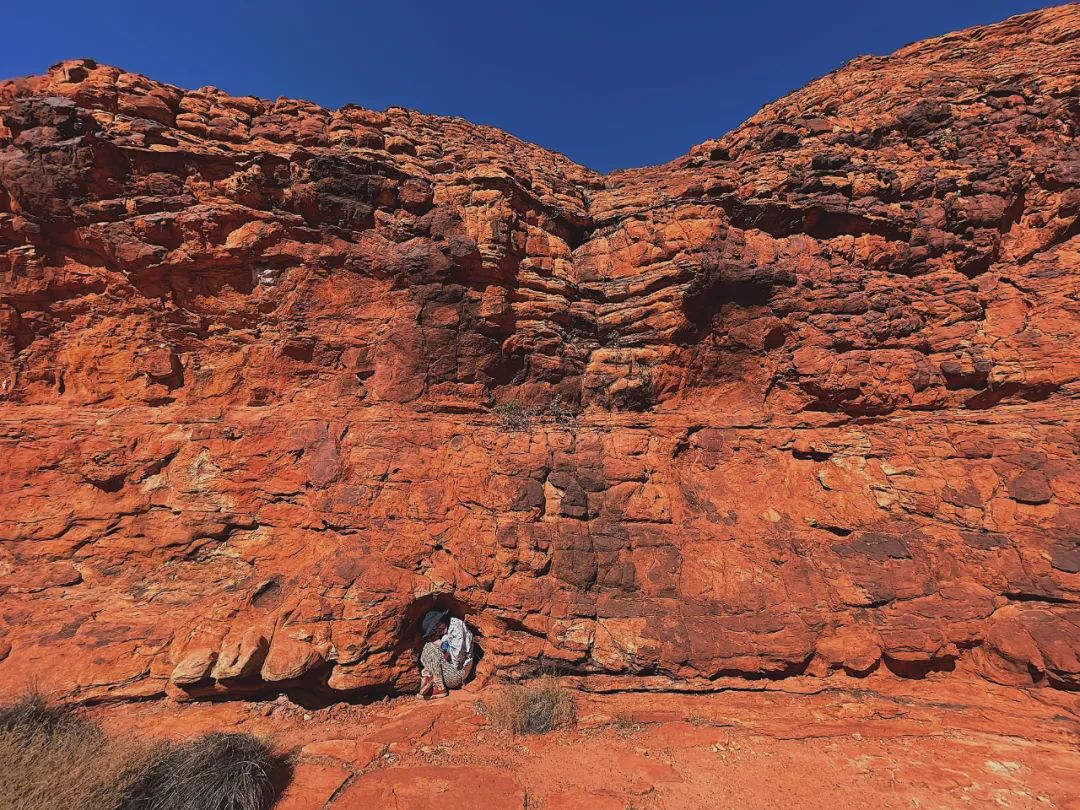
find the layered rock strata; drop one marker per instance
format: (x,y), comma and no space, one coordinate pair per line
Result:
(275,378)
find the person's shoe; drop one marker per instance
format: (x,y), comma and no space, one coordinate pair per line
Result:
(439,693)
(427,684)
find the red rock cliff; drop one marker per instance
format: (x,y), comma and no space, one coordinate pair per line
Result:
(274,377)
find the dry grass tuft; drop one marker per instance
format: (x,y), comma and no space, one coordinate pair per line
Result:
(624,725)
(533,708)
(33,712)
(214,772)
(51,758)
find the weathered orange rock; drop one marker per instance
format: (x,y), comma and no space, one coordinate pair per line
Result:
(312,784)
(358,754)
(418,788)
(275,378)
(878,741)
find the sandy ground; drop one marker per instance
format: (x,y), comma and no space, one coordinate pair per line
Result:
(876,743)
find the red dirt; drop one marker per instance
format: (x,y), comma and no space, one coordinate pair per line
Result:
(880,742)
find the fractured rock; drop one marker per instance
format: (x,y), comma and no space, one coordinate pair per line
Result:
(274,379)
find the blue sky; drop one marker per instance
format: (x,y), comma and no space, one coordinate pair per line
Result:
(611,84)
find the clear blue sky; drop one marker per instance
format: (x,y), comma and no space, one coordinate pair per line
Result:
(611,83)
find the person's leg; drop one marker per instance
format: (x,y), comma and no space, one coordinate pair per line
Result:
(452,676)
(431,668)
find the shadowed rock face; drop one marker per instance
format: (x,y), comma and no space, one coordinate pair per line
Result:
(802,401)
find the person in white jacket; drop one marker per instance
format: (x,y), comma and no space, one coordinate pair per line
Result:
(446,659)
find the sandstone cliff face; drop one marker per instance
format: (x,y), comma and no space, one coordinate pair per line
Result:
(274,378)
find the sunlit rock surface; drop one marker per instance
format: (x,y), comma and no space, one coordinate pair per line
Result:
(275,378)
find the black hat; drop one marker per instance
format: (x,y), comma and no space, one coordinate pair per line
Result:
(431,621)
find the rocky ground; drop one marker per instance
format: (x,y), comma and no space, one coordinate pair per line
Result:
(880,742)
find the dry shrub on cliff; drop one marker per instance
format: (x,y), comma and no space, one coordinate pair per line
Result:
(516,415)
(533,708)
(51,758)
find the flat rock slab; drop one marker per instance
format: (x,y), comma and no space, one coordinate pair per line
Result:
(424,788)
(312,785)
(948,743)
(358,753)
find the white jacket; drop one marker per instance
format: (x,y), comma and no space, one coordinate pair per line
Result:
(459,642)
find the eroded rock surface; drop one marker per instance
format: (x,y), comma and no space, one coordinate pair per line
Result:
(273,378)
(803,743)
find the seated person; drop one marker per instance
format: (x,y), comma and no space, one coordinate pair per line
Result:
(446,659)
